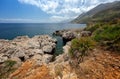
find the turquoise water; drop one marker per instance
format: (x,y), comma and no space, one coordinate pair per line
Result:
(11,30)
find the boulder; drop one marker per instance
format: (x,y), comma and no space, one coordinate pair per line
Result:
(48,49)
(68,36)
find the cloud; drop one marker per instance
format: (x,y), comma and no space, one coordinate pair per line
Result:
(64,8)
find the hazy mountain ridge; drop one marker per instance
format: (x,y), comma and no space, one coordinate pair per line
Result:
(102,11)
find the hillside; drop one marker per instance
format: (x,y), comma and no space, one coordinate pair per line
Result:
(102,12)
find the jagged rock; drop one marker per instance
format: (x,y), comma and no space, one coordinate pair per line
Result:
(59,32)
(18,53)
(33,44)
(48,49)
(38,51)
(24,48)
(68,36)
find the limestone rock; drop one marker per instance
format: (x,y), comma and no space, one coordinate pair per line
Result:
(23,47)
(48,49)
(69,35)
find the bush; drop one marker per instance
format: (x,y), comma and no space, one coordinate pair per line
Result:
(6,68)
(108,35)
(79,47)
(94,27)
(10,63)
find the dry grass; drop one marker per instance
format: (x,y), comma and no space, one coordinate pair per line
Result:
(28,70)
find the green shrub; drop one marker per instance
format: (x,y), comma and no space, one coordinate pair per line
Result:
(58,70)
(108,35)
(10,63)
(79,47)
(6,68)
(94,27)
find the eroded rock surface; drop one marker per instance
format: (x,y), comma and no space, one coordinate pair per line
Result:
(23,48)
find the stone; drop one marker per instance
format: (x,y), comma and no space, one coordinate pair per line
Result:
(48,49)
(68,36)
(23,48)
(38,51)
(37,57)
(18,53)
(3,58)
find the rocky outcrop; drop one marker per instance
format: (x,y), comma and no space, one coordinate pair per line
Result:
(67,35)
(22,47)
(59,32)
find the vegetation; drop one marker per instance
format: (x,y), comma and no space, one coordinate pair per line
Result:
(108,35)
(80,48)
(6,68)
(101,13)
(58,71)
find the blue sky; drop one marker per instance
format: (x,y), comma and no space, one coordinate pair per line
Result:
(44,10)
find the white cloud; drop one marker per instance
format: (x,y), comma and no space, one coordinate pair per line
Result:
(64,9)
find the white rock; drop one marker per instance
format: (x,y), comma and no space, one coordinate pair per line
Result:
(3,58)
(47,49)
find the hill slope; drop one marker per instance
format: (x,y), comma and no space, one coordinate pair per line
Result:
(102,12)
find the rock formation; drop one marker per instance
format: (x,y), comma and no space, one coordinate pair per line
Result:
(38,47)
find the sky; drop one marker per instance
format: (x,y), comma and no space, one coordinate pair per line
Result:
(44,11)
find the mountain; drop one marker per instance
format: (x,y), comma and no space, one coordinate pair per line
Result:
(102,12)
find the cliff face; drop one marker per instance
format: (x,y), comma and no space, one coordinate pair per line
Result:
(102,12)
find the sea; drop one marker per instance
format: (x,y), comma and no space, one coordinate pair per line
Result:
(11,30)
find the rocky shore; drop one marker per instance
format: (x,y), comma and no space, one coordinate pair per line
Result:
(68,35)
(33,56)
(40,48)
